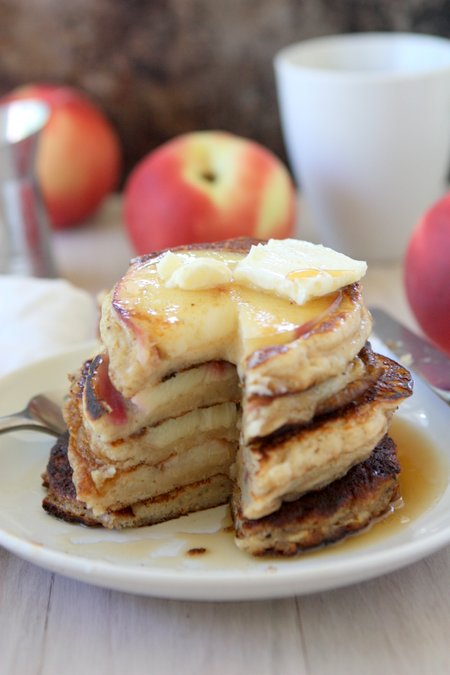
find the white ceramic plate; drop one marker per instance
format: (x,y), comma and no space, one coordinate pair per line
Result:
(167,560)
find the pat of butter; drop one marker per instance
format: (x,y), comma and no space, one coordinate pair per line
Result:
(297,270)
(191,273)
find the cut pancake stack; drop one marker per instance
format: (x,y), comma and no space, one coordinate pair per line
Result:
(212,388)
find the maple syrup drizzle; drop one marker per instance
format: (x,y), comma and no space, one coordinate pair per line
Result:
(423,478)
(309,272)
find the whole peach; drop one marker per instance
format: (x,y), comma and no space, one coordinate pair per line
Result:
(427,273)
(207,186)
(79,154)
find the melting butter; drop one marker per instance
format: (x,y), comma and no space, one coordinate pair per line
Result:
(191,273)
(297,270)
(292,269)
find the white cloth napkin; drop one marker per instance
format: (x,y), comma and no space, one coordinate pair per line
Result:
(41,316)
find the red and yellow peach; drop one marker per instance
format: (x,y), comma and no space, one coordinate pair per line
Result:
(207,186)
(427,273)
(79,154)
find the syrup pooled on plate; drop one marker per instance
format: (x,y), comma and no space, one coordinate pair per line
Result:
(423,478)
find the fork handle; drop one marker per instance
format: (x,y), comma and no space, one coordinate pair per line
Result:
(21,421)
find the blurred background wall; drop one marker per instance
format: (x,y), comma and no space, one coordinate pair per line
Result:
(162,67)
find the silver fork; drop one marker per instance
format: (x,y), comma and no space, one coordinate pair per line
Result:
(42,413)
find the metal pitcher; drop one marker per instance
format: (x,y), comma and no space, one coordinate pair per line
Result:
(25,247)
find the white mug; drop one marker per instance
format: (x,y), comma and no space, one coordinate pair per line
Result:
(366,123)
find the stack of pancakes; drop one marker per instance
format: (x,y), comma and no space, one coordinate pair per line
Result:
(230,393)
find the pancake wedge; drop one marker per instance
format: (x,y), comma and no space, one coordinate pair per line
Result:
(109,416)
(113,475)
(262,415)
(324,516)
(298,459)
(62,501)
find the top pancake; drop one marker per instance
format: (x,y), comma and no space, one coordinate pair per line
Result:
(150,331)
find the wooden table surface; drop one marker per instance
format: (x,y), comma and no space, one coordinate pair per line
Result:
(395,624)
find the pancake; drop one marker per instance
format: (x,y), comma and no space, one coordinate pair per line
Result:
(109,416)
(61,498)
(276,345)
(262,415)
